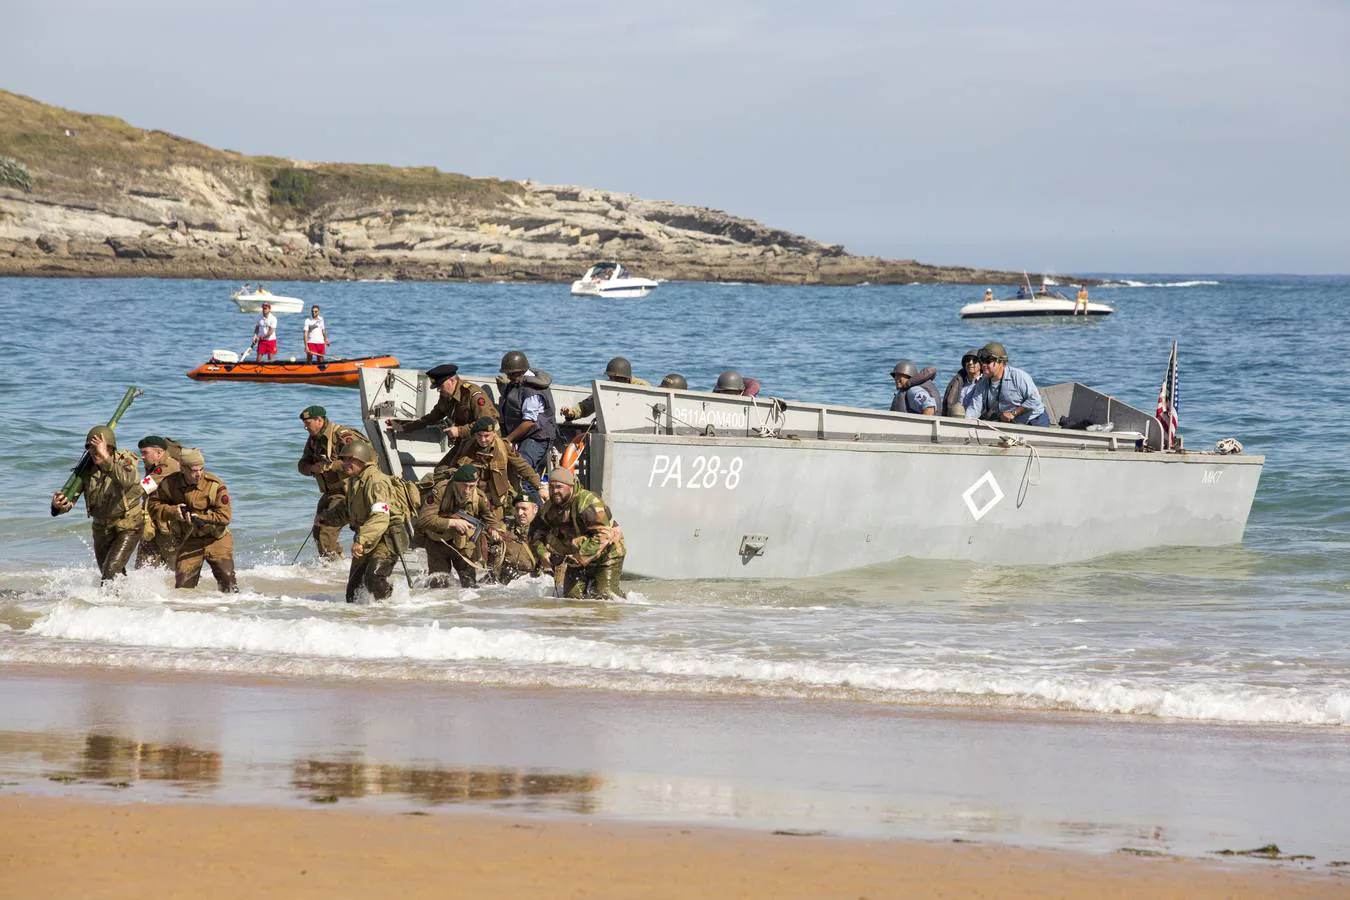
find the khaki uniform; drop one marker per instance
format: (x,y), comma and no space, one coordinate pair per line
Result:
(573,533)
(113,499)
(465,406)
(206,540)
(524,552)
(323,448)
(501,470)
(447,548)
(587,404)
(157,545)
(376,512)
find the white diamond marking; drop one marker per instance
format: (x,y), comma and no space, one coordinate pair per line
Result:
(969,496)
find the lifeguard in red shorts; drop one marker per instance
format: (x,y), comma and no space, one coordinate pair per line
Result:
(316,336)
(265,334)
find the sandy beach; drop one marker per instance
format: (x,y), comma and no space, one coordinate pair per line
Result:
(64,848)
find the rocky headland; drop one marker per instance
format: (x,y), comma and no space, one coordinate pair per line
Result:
(90,195)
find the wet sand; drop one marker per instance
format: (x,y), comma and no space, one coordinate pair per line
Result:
(332,770)
(62,848)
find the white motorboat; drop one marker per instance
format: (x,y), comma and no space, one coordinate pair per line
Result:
(609,279)
(250,299)
(1042,301)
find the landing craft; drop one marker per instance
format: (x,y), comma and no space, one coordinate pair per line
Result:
(717,486)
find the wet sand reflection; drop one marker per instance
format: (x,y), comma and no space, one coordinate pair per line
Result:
(330,780)
(108,759)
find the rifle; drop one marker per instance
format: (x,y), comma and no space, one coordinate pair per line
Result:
(479,536)
(80,474)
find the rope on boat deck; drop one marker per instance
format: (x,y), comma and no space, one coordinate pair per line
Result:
(1008,441)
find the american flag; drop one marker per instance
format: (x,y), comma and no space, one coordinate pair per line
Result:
(1169,403)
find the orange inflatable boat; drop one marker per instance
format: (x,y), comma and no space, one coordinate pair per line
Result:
(331,372)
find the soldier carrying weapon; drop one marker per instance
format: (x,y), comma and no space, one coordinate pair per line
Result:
(111,484)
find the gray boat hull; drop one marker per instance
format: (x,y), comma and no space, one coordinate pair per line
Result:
(712,486)
(813,509)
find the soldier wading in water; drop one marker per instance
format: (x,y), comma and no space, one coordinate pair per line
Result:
(580,528)
(320,459)
(193,506)
(113,499)
(376,510)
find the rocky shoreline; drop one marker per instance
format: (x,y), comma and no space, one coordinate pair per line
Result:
(84,195)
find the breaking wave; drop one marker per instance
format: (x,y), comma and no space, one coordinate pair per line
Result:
(1125,282)
(209,641)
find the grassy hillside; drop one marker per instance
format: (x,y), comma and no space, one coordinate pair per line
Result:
(61,146)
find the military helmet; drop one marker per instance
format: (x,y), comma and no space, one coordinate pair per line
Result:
(357,450)
(619,368)
(103,431)
(514,362)
(993,351)
(905,367)
(729,382)
(675,380)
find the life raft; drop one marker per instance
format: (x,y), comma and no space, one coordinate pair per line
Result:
(330,372)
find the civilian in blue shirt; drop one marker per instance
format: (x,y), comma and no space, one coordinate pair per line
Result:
(1005,392)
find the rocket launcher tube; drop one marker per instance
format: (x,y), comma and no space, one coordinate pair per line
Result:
(80,474)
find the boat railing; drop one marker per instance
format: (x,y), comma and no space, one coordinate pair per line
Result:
(635,409)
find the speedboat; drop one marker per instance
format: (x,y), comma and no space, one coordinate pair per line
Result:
(250,299)
(1042,301)
(226,365)
(609,279)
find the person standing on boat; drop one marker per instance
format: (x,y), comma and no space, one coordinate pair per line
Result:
(316,336)
(458,406)
(529,413)
(619,369)
(113,499)
(954,399)
(988,295)
(157,549)
(265,334)
(193,505)
(1005,392)
(913,395)
(320,459)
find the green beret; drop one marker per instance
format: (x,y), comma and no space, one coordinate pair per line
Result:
(313,412)
(466,472)
(153,440)
(485,423)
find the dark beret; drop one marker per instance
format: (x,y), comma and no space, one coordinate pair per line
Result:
(153,440)
(441,373)
(313,412)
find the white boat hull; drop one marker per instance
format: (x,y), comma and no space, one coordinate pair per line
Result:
(252,303)
(1035,306)
(620,288)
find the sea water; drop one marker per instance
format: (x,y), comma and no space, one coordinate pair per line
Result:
(1251,635)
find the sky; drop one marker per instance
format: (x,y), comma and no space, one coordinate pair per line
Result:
(1185,136)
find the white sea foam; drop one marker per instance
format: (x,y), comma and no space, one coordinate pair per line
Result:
(204,639)
(1125,282)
